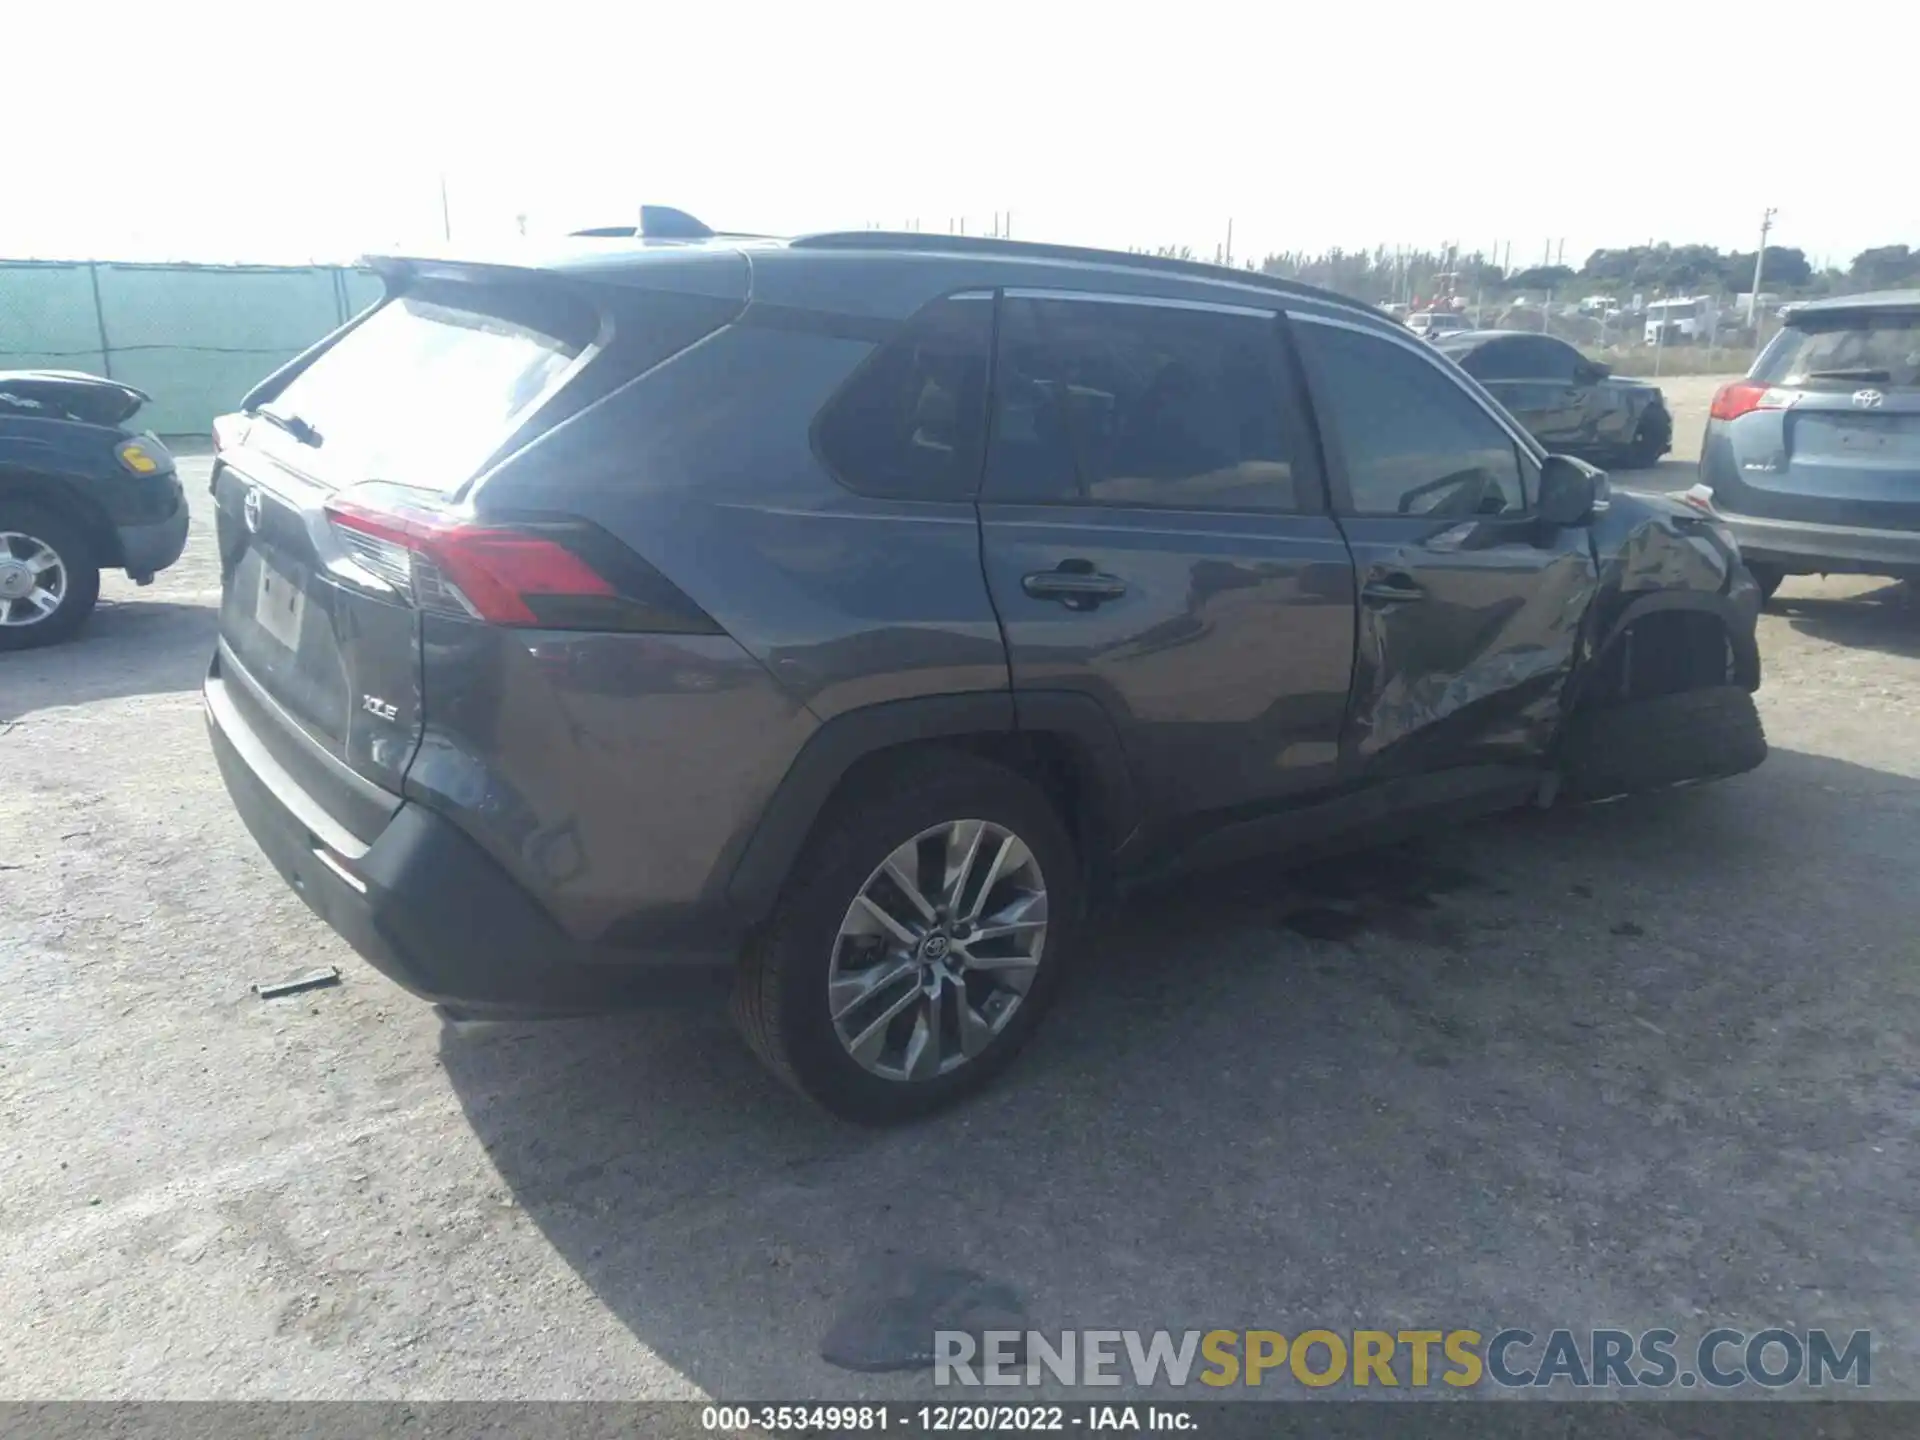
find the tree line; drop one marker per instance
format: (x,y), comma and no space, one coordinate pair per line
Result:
(1382,274)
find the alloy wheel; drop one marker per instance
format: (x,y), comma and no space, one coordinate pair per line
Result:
(938,950)
(33,579)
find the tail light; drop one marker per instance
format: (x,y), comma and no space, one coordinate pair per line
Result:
(558,574)
(1743,397)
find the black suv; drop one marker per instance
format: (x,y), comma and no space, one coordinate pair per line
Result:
(851,610)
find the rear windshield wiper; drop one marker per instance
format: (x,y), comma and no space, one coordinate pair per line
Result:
(1880,377)
(293,425)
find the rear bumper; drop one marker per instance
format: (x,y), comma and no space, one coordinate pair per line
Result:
(428,908)
(145,550)
(1800,547)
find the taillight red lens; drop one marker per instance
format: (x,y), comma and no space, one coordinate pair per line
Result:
(1742,397)
(493,572)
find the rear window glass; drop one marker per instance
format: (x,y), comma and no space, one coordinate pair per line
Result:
(426,389)
(1846,351)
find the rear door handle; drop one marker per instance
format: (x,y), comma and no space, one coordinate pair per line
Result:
(1076,588)
(1395,590)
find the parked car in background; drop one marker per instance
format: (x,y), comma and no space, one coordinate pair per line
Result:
(79,493)
(1429,324)
(1814,457)
(1682,320)
(1567,401)
(841,614)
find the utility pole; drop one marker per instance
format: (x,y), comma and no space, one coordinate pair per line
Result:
(446,215)
(1660,337)
(1229,240)
(1759,269)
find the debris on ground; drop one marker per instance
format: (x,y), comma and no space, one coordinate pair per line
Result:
(312,980)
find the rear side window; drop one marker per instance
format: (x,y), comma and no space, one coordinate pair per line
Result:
(424,390)
(1849,351)
(1125,404)
(910,423)
(1414,442)
(1484,362)
(1524,358)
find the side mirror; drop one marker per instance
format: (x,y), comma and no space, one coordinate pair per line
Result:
(1569,490)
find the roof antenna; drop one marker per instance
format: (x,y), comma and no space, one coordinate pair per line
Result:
(662,222)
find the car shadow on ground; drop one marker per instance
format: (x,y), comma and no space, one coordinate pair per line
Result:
(1885,619)
(1582,1047)
(128,647)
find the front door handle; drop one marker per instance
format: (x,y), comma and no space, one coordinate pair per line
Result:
(1397,589)
(1075,584)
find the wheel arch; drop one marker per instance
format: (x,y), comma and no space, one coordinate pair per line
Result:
(1677,622)
(1063,741)
(34,487)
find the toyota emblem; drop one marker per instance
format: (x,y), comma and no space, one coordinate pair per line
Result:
(1868,399)
(250,509)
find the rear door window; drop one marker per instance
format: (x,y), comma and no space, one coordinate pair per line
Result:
(430,385)
(1492,361)
(1845,352)
(910,423)
(1109,402)
(1538,358)
(1413,441)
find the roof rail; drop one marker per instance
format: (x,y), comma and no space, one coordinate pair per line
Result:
(1029,249)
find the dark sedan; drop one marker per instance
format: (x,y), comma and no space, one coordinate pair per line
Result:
(79,492)
(1814,457)
(1569,402)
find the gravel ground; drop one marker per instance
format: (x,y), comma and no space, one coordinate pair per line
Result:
(1646,1064)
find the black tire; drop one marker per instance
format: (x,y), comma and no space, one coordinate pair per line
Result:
(79,563)
(780,1000)
(1767,577)
(1652,438)
(1661,742)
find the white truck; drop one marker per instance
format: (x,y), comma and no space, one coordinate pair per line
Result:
(1684,318)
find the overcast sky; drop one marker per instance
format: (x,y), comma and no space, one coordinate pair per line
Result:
(202,130)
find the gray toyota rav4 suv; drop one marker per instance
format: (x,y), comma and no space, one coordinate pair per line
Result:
(842,615)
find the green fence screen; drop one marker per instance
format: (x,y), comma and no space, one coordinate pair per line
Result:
(194,337)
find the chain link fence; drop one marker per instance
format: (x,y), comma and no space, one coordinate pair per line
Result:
(194,337)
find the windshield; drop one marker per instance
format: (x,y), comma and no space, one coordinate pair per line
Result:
(424,390)
(1859,344)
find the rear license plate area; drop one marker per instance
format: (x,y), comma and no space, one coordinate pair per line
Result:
(280,606)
